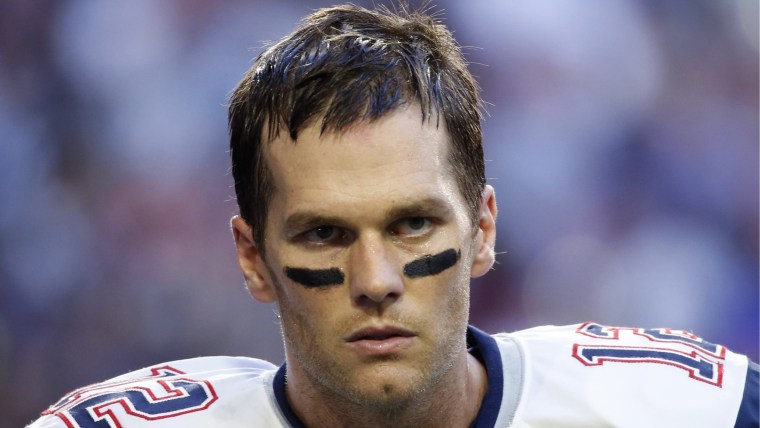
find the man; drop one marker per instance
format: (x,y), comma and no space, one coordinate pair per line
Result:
(358,167)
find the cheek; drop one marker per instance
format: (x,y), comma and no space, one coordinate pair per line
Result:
(458,292)
(444,296)
(305,311)
(299,325)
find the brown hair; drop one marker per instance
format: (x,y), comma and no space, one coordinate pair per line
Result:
(347,64)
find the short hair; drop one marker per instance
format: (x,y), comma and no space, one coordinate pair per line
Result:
(344,65)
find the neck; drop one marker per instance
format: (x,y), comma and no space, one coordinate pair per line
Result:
(466,380)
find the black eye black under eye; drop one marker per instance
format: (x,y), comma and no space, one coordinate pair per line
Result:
(431,265)
(312,278)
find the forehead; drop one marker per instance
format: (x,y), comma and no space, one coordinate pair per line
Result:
(394,158)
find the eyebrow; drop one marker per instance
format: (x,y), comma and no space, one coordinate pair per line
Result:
(305,220)
(309,219)
(421,208)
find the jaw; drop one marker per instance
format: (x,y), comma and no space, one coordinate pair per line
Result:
(380,393)
(390,380)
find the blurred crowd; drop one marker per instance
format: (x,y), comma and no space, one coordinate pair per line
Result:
(621,138)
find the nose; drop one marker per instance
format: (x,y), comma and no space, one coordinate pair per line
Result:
(374,274)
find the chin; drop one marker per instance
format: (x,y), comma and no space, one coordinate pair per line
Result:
(387,395)
(390,386)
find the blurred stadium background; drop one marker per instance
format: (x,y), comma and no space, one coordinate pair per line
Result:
(622,139)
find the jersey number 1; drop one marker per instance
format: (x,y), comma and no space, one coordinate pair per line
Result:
(702,360)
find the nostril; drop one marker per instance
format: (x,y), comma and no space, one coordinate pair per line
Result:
(377,297)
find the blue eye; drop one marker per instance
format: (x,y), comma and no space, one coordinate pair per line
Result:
(324,234)
(417,223)
(413,226)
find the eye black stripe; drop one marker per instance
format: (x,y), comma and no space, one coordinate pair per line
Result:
(315,277)
(432,265)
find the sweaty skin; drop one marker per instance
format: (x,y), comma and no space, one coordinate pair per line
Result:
(315,277)
(432,265)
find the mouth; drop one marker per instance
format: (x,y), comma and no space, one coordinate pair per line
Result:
(378,333)
(380,341)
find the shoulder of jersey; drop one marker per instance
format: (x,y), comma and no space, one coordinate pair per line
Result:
(197,392)
(620,376)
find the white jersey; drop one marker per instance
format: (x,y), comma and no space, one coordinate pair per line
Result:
(584,375)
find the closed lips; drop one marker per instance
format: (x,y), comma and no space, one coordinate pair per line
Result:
(378,334)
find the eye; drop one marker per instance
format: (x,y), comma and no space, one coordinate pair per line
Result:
(413,226)
(324,234)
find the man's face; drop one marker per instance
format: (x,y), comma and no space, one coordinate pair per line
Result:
(369,254)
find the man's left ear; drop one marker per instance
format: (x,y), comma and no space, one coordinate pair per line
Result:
(485,238)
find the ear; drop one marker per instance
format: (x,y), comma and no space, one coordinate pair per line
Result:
(255,272)
(485,238)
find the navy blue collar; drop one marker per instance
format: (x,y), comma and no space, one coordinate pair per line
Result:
(483,347)
(480,345)
(282,399)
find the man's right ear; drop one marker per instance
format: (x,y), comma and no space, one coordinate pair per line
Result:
(251,262)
